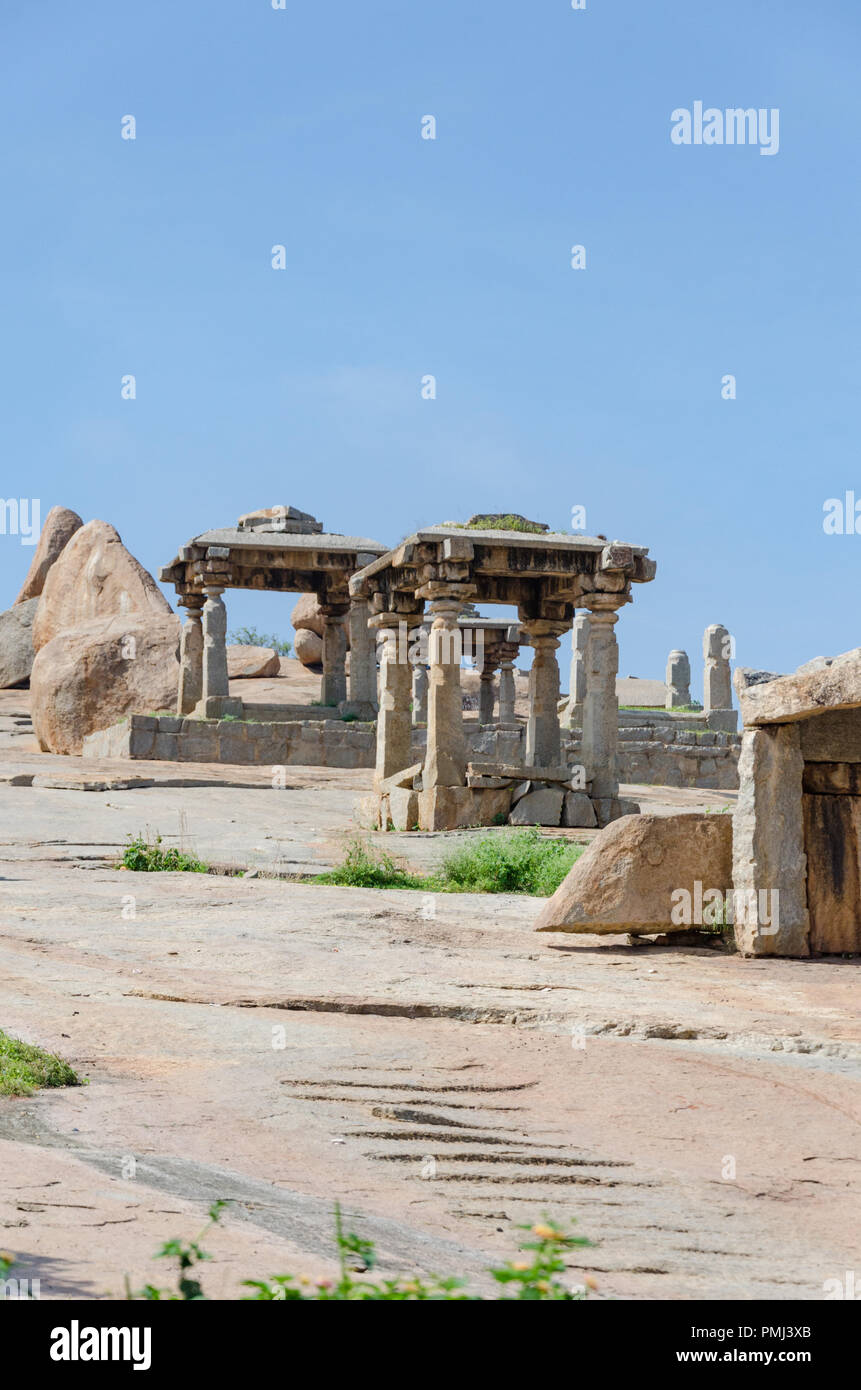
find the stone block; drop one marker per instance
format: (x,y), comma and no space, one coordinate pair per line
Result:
(578,811)
(768,843)
(540,807)
(403,808)
(633,876)
(455,808)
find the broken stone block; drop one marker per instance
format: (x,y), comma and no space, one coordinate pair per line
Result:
(578,811)
(631,877)
(542,807)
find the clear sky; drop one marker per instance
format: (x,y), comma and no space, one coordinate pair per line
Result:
(406,257)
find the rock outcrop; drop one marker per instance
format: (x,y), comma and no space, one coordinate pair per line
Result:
(16,643)
(245,661)
(634,876)
(89,677)
(94,576)
(308,648)
(307,615)
(60,525)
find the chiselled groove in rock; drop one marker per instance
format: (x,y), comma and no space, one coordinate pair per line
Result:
(410,1086)
(429,1100)
(520,1160)
(516,1179)
(419,1117)
(440,1137)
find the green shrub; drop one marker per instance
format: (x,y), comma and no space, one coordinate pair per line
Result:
(528,1280)
(148,857)
(524,862)
(367,868)
(250,637)
(24,1067)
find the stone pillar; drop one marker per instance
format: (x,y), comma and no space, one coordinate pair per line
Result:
(507,717)
(543,741)
(717,679)
(333,687)
(769,865)
(393,720)
(601,711)
(486,695)
(190,686)
(445,762)
(420,693)
(678,680)
(362,701)
(572,715)
(215,701)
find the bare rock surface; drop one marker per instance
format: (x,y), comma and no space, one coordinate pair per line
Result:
(431,1063)
(816,686)
(94,577)
(90,676)
(16,643)
(627,878)
(60,525)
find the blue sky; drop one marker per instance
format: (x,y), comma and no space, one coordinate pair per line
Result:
(555,387)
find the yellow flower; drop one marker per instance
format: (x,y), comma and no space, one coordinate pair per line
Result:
(547,1233)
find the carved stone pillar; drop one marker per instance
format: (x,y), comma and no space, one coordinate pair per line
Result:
(543,741)
(190,686)
(717,679)
(393,720)
(486,695)
(333,688)
(363,664)
(572,715)
(678,680)
(420,693)
(215,701)
(507,717)
(600,707)
(445,763)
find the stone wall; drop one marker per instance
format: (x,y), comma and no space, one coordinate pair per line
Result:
(671,751)
(314,742)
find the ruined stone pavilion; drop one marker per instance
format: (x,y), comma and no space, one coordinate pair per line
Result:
(547,576)
(278,550)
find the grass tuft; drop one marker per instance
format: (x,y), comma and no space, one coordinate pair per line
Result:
(148,857)
(25,1067)
(525,862)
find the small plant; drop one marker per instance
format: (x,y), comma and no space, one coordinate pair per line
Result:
(250,637)
(349,718)
(188,1254)
(530,1280)
(148,857)
(25,1067)
(367,868)
(525,862)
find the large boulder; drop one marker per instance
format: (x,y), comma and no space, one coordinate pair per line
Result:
(307,615)
(16,643)
(634,877)
(60,525)
(94,576)
(89,677)
(245,661)
(309,648)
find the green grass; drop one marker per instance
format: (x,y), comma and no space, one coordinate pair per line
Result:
(522,862)
(508,522)
(24,1068)
(367,868)
(148,857)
